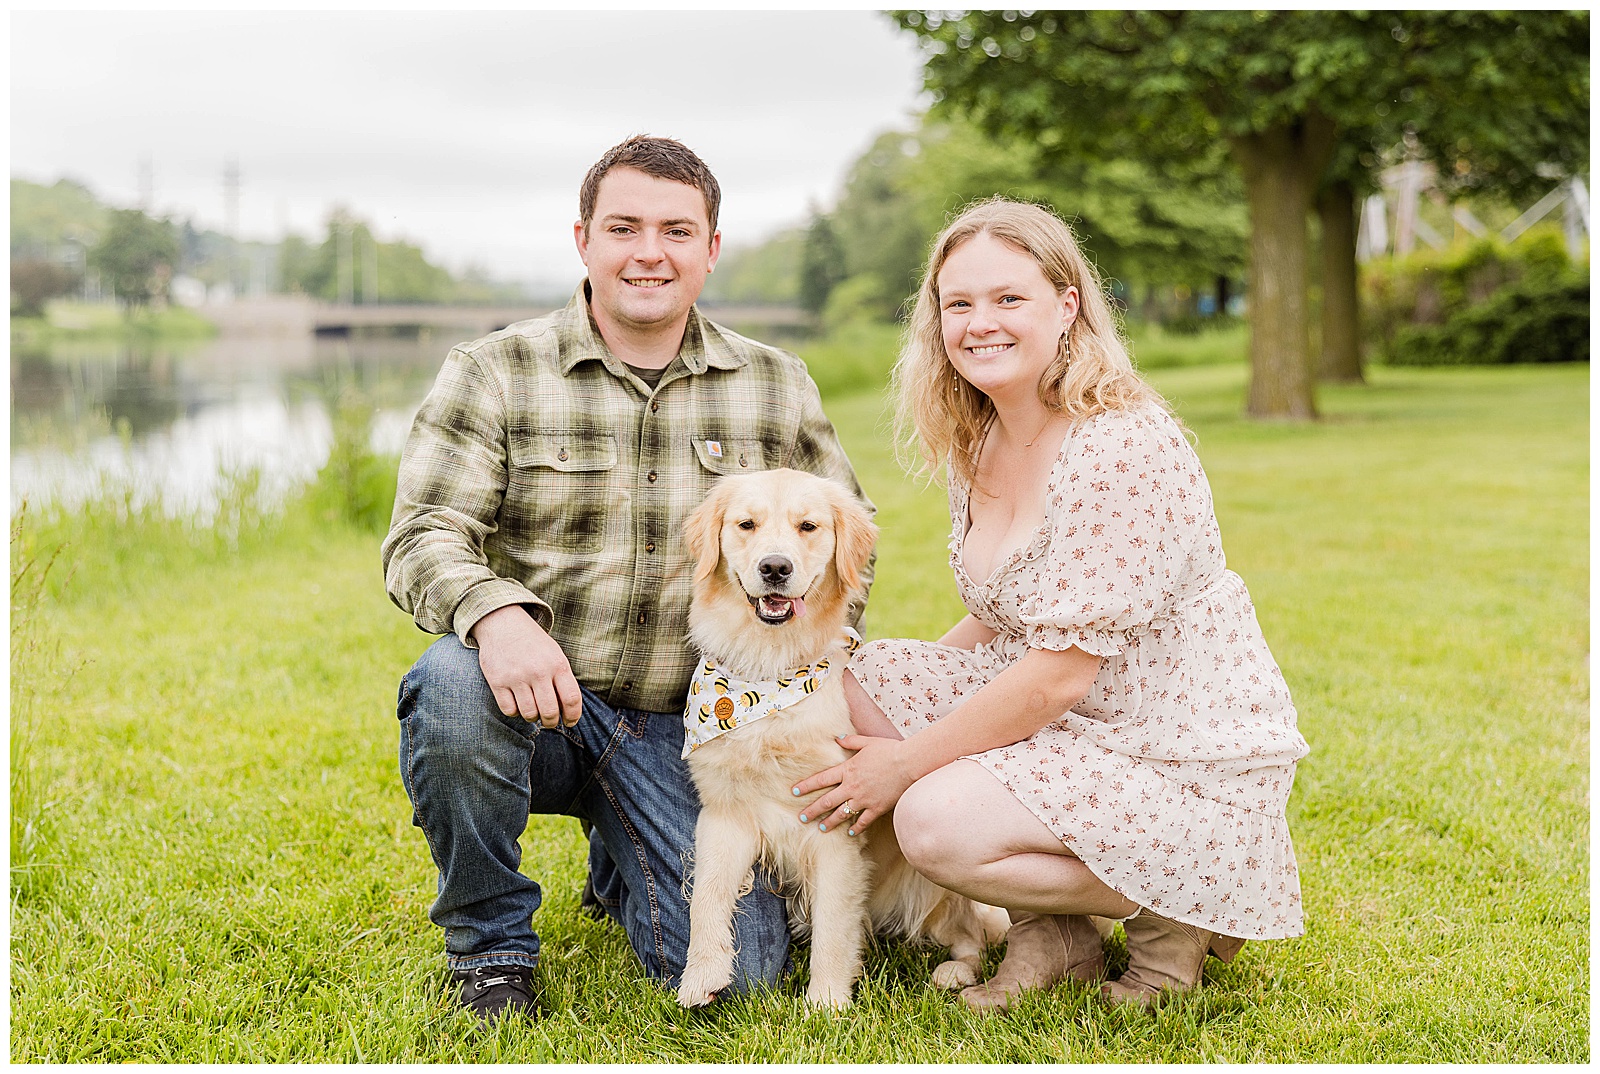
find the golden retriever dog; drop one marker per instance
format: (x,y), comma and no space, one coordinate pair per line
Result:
(779,561)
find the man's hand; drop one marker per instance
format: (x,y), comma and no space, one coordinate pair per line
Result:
(526,669)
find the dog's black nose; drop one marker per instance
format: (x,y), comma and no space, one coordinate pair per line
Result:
(775,569)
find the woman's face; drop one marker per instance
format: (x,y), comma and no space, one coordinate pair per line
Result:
(1001,317)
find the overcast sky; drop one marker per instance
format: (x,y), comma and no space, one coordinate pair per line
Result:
(465,133)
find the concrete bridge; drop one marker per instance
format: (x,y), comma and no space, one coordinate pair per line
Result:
(332,319)
(297,315)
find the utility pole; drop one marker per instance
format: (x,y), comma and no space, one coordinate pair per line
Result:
(147,184)
(230,210)
(343,233)
(369,272)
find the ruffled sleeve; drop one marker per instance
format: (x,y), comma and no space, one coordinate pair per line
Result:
(1125,508)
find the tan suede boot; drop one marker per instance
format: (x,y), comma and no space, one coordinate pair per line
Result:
(1041,949)
(1165,958)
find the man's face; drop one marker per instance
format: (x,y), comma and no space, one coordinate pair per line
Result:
(648,251)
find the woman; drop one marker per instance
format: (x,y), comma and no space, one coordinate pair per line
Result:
(1106,733)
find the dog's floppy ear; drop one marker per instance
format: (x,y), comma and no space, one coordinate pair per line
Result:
(702,531)
(854,534)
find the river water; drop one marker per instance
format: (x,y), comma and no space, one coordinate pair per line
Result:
(174,423)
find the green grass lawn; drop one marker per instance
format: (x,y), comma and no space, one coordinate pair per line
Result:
(213,858)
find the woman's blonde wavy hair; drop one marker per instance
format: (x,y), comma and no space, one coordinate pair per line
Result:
(939,416)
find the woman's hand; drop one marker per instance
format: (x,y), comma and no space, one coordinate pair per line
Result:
(865,787)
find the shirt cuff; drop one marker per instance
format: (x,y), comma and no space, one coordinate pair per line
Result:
(490,596)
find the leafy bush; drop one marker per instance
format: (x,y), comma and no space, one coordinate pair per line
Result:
(1158,346)
(355,485)
(862,298)
(1536,319)
(854,356)
(1480,304)
(34,281)
(1194,324)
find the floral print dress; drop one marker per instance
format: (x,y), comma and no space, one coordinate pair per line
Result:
(1170,778)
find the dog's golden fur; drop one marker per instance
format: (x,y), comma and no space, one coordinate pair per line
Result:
(757,620)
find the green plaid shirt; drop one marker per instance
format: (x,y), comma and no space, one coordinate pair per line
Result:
(541,472)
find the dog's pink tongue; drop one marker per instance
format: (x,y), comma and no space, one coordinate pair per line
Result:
(799,606)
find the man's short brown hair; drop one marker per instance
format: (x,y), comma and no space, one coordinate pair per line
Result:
(663,158)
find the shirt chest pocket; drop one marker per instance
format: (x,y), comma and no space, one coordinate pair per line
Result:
(560,490)
(724,457)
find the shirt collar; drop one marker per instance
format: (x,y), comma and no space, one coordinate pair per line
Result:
(705,345)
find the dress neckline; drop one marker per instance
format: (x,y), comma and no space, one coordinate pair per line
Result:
(1003,564)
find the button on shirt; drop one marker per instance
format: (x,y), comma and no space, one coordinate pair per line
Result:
(540,471)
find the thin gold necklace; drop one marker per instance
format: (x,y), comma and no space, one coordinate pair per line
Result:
(1042,429)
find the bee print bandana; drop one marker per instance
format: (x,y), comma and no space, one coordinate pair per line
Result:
(719,702)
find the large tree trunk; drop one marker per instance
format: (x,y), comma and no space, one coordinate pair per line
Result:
(1281,167)
(1340,361)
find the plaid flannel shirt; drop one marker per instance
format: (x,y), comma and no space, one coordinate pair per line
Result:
(541,472)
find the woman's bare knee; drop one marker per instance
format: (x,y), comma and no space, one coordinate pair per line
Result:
(924,820)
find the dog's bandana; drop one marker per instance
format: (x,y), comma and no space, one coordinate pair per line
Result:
(719,702)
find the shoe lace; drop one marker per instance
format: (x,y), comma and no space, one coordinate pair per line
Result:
(503,976)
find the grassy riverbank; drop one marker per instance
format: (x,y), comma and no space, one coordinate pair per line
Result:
(213,858)
(82,322)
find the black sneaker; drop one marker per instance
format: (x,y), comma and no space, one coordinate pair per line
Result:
(491,992)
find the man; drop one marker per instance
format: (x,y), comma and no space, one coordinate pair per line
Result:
(537,526)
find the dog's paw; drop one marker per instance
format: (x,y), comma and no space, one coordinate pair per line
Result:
(695,997)
(954,975)
(826,997)
(699,988)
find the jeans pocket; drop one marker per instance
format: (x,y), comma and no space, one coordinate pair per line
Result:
(404,698)
(407,756)
(526,728)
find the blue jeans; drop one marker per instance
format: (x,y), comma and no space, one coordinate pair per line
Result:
(474,775)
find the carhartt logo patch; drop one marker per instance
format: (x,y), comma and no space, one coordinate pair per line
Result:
(714,448)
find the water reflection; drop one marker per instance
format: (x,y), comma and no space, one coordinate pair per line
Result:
(171,422)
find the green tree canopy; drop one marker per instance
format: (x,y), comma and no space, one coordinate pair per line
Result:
(1140,222)
(822,265)
(1278,88)
(136,256)
(1173,224)
(764,272)
(1163,87)
(372,271)
(45,217)
(1498,102)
